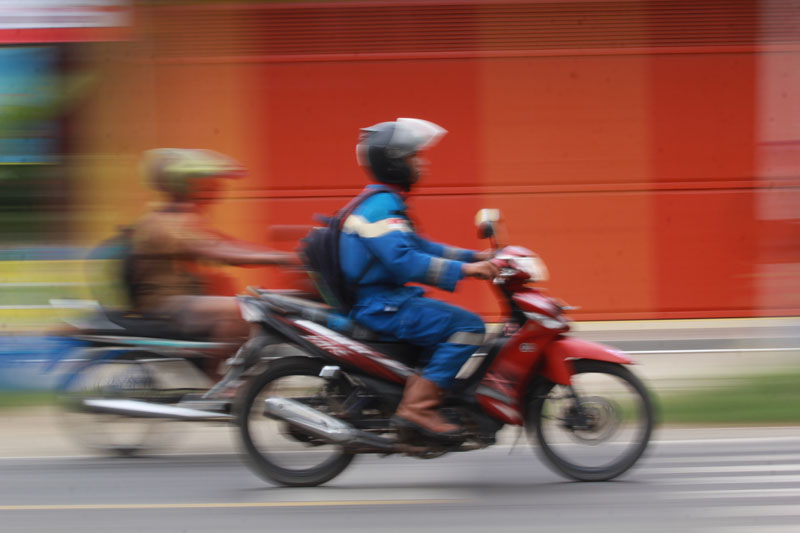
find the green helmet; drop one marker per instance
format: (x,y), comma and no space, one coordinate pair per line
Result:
(174,170)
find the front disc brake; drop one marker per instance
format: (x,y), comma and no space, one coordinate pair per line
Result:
(594,422)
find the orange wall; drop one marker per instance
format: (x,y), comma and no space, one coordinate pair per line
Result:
(633,172)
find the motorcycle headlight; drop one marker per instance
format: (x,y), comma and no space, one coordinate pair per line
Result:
(546,321)
(533,266)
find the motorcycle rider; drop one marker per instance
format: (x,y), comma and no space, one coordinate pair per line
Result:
(380,252)
(169,243)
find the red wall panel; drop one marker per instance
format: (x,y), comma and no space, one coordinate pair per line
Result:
(312,112)
(628,142)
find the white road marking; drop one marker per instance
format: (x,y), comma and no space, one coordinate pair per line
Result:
(720,458)
(735,493)
(753,511)
(712,350)
(724,469)
(731,440)
(730,480)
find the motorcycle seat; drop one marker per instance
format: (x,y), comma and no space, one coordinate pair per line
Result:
(114,323)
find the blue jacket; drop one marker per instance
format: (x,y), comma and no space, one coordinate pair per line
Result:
(380,252)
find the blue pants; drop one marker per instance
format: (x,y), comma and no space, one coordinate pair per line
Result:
(449,333)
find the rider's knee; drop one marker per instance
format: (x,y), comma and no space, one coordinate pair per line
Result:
(471,322)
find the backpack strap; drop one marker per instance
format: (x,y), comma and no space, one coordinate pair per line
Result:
(346,212)
(353,204)
(323,257)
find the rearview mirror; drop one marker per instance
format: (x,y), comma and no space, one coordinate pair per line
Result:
(485,221)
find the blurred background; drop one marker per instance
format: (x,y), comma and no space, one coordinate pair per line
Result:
(648,150)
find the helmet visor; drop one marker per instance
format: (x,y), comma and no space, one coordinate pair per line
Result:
(412,135)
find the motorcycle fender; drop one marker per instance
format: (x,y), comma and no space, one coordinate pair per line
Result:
(558,354)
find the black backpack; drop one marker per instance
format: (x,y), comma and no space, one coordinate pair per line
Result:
(320,251)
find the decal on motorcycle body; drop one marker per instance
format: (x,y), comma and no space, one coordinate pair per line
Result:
(495,394)
(328,346)
(499,383)
(341,346)
(330,335)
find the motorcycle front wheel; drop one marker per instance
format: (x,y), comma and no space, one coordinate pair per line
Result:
(124,378)
(597,429)
(276,451)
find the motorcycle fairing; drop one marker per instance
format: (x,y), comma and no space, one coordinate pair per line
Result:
(558,354)
(530,299)
(502,389)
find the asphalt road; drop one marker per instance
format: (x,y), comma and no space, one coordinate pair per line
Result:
(704,480)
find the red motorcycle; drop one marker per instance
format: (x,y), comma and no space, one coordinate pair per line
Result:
(303,420)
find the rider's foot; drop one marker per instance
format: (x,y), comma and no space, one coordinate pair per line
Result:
(418,411)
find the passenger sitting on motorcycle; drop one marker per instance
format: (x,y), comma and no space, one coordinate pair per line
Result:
(171,240)
(380,253)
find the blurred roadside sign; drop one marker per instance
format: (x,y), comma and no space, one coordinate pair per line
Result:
(51,21)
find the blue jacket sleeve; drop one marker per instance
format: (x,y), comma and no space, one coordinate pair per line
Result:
(444,250)
(387,233)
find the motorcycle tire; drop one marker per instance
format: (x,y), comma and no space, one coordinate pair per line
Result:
(258,456)
(552,450)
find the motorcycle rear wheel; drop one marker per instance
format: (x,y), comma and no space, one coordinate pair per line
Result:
(272,449)
(614,404)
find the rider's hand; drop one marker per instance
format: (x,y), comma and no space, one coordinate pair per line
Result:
(480,270)
(290,259)
(485,255)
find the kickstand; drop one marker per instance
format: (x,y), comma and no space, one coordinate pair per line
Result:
(516,441)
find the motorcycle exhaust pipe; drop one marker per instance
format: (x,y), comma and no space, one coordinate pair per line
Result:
(140,409)
(309,419)
(321,425)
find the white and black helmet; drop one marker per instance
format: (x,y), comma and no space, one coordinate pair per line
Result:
(383,147)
